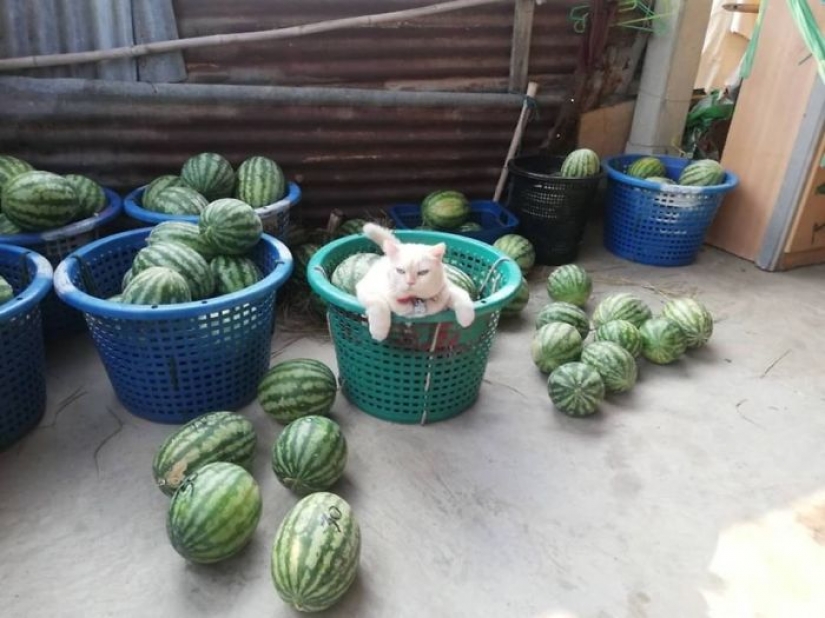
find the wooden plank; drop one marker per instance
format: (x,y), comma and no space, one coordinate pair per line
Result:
(520,49)
(605,130)
(802,258)
(763,132)
(808,231)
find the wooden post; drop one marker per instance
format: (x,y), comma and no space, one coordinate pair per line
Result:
(532,87)
(520,49)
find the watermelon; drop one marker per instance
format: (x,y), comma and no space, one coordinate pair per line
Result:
(459,278)
(518,248)
(350,271)
(296,236)
(615,365)
(621,306)
(623,333)
(158,185)
(157,285)
(214,512)
(571,284)
(555,344)
(567,313)
(445,209)
(519,301)
(469,226)
(10,167)
(260,182)
(216,436)
(295,388)
(90,196)
(581,163)
(702,173)
(301,256)
(179,201)
(576,389)
(127,277)
(662,180)
(692,317)
(180,258)
(310,454)
(182,233)
(230,226)
(645,167)
(117,298)
(210,175)
(37,201)
(663,342)
(233,273)
(315,553)
(6,291)
(349,227)
(8,228)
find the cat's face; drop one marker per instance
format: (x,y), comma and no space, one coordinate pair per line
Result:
(416,269)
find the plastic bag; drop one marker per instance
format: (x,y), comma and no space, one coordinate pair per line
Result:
(699,140)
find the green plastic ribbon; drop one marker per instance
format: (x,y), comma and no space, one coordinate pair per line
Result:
(747,60)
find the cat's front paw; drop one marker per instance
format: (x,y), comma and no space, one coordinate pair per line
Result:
(379,329)
(465,315)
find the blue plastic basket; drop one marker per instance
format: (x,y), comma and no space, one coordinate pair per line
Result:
(661,225)
(495,220)
(58,318)
(171,363)
(274,217)
(22,364)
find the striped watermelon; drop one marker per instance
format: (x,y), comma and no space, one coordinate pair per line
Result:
(518,248)
(296,236)
(662,180)
(127,277)
(692,317)
(214,513)
(469,226)
(210,175)
(316,552)
(179,201)
(645,167)
(233,273)
(571,284)
(567,313)
(623,333)
(117,298)
(260,182)
(310,454)
(349,227)
(351,270)
(519,301)
(90,196)
(621,306)
(6,291)
(157,285)
(458,277)
(295,388)
(158,185)
(216,436)
(615,365)
(10,167)
(181,259)
(301,257)
(37,201)
(7,227)
(581,163)
(703,173)
(445,209)
(663,342)
(555,344)
(182,233)
(230,226)
(576,389)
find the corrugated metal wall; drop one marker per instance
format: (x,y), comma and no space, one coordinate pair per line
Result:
(345,156)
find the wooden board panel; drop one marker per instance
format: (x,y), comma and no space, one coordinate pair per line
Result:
(771,104)
(605,130)
(808,231)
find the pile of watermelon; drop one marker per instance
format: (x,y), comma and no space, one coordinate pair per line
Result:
(701,173)
(447,211)
(216,503)
(183,261)
(36,201)
(208,176)
(6,291)
(588,357)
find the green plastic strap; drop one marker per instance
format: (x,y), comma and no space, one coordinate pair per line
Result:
(804,18)
(747,60)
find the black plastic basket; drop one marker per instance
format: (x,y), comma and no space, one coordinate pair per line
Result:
(553,211)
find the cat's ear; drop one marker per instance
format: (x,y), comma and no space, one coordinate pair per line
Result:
(437,251)
(390,247)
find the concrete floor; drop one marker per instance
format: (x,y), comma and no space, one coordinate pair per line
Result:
(700,493)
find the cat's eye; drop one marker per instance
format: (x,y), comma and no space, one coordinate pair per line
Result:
(400,271)
(421,273)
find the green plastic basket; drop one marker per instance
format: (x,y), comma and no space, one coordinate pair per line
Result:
(429,368)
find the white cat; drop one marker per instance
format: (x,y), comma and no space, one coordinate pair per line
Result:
(408,280)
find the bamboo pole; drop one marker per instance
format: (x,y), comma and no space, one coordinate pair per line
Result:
(161,47)
(532,87)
